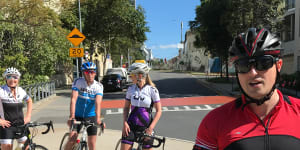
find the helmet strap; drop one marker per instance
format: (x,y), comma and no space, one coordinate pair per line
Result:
(267,97)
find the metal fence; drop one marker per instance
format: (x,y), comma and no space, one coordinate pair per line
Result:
(40,91)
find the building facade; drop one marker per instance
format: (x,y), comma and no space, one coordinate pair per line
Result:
(291,37)
(193,59)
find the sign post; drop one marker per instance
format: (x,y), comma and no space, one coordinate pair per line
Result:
(76,37)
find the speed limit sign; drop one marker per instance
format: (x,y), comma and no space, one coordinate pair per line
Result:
(76,52)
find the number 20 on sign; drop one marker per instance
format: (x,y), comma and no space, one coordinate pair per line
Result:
(76,52)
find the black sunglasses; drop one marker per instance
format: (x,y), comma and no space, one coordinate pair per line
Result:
(260,63)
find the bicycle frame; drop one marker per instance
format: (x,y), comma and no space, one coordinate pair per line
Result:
(83,131)
(29,142)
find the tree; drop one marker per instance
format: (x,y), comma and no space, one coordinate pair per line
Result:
(218,22)
(116,25)
(31,40)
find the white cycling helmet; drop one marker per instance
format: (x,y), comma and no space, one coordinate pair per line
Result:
(139,68)
(11,71)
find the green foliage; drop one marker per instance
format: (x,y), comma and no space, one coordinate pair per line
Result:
(33,42)
(217,22)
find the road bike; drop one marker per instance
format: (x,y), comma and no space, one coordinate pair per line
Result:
(141,137)
(30,134)
(81,144)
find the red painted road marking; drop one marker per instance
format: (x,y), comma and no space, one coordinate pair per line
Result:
(176,101)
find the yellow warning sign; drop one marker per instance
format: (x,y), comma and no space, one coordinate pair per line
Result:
(75,37)
(76,52)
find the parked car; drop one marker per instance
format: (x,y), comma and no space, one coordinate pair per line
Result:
(113,82)
(120,71)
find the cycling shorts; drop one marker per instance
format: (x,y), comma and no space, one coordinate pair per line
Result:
(132,135)
(90,130)
(8,134)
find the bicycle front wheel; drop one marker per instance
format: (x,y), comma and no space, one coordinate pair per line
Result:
(118,144)
(64,141)
(82,146)
(39,147)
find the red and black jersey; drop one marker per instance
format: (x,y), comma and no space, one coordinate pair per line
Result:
(235,126)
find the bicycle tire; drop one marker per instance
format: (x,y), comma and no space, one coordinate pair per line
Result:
(118,144)
(39,147)
(82,146)
(64,141)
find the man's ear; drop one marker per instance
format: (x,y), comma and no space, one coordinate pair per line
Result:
(279,64)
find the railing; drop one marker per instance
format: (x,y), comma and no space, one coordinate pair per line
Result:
(40,91)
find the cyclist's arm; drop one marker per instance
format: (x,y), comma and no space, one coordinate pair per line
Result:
(157,107)
(29,109)
(126,110)
(98,108)
(74,97)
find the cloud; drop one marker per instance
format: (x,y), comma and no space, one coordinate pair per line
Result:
(178,45)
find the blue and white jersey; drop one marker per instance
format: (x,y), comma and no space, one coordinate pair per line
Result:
(85,104)
(142,99)
(13,106)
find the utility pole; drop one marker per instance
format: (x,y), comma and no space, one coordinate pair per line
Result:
(81,32)
(181,32)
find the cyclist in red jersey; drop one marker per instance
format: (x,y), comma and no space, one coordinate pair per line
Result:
(262,118)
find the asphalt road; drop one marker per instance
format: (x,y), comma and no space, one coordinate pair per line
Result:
(170,85)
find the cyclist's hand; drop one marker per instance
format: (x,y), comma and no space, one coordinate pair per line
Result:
(4,123)
(26,120)
(104,125)
(69,122)
(126,129)
(149,131)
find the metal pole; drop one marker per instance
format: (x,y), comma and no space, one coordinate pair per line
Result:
(80,31)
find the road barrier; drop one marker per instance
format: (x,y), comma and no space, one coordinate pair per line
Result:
(40,91)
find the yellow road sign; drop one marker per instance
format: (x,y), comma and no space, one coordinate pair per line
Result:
(75,37)
(76,52)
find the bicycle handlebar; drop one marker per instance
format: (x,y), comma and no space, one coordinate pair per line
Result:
(160,140)
(142,136)
(34,124)
(87,124)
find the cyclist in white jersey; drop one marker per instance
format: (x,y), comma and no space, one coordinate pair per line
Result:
(11,109)
(86,104)
(141,97)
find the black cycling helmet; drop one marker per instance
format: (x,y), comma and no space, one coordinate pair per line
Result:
(254,43)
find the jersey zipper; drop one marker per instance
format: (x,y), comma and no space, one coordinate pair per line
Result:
(267,136)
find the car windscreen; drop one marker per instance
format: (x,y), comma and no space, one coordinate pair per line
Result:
(111,77)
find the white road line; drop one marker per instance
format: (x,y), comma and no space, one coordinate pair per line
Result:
(208,107)
(171,108)
(198,108)
(186,107)
(176,108)
(164,108)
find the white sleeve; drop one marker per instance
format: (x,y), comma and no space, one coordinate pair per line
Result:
(155,95)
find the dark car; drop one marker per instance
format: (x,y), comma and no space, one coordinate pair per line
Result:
(113,82)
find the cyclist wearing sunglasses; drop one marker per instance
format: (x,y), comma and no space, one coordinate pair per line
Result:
(262,118)
(85,104)
(141,97)
(11,109)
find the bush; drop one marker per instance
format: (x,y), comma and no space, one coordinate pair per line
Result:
(289,80)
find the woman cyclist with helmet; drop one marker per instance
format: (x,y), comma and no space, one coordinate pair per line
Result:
(262,118)
(12,97)
(141,97)
(85,104)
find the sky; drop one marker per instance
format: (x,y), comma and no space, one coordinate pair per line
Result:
(164,18)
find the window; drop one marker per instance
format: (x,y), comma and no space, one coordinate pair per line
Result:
(289,4)
(289,28)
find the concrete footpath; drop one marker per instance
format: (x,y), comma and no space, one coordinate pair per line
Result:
(106,141)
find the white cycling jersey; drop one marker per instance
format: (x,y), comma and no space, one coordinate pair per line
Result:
(85,104)
(13,106)
(141,100)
